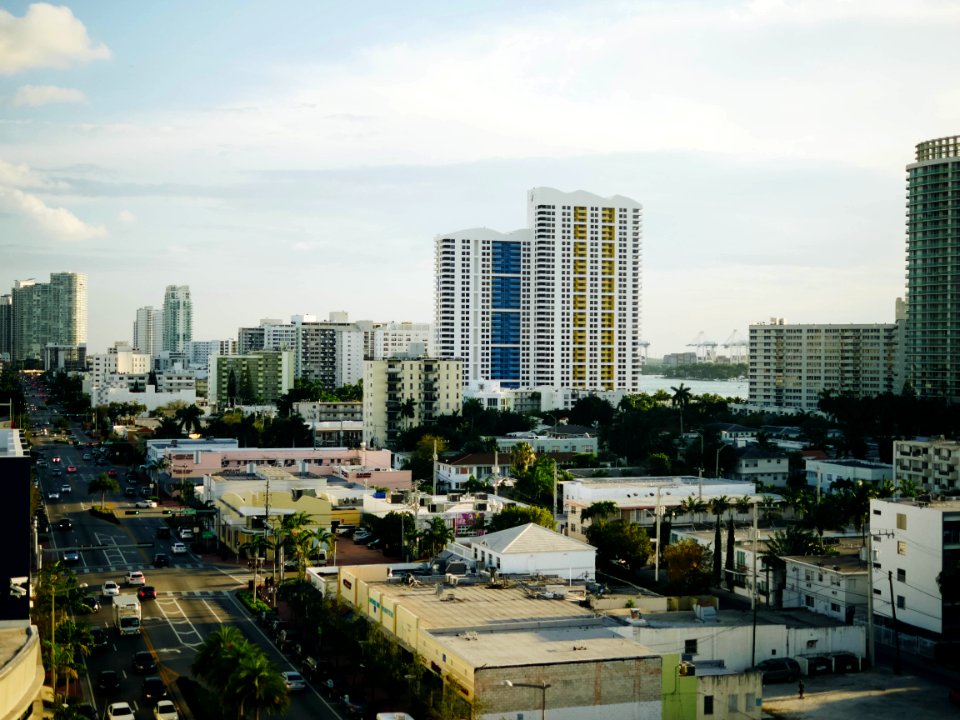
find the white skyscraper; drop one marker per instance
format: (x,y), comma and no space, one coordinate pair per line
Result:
(148,330)
(557,304)
(177,318)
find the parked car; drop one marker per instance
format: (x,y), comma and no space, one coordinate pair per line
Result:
(110,589)
(294,680)
(144,662)
(147,592)
(165,710)
(779,670)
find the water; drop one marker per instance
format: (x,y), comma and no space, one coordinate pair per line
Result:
(724,388)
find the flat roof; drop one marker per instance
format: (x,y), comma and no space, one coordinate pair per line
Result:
(494,647)
(479,605)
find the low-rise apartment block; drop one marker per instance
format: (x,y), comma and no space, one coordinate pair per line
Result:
(933,465)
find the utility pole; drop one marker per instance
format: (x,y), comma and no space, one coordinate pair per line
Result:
(434,467)
(656,556)
(871,644)
(896,632)
(753,595)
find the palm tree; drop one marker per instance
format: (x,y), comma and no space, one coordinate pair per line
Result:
(522,458)
(600,511)
(695,506)
(743,504)
(155,467)
(188,419)
(103,484)
(718,506)
(408,410)
(217,656)
(681,398)
(257,548)
(290,527)
(436,536)
(257,685)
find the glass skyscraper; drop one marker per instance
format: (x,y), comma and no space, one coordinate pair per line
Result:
(177,318)
(932,336)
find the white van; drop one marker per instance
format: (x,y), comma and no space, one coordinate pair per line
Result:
(394,716)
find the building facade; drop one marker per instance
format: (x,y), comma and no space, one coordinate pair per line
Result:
(148,330)
(932,338)
(556,304)
(933,465)
(177,318)
(257,379)
(402,393)
(49,321)
(6,327)
(199,351)
(791,365)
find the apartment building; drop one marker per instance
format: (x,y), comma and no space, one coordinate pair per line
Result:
(933,465)
(49,321)
(148,330)
(556,304)
(177,318)
(792,365)
(255,379)
(385,340)
(932,337)
(198,352)
(913,545)
(401,393)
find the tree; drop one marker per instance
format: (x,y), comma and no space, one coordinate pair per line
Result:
(522,458)
(188,419)
(792,540)
(103,484)
(694,506)
(232,387)
(688,565)
(591,410)
(659,464)
(600,511)
(619,542)
(167,429)
(681,398)
(257,548)
(436,536)
(514,515)
(731,539)
(257,685)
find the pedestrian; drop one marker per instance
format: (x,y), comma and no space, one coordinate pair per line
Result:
(800,689)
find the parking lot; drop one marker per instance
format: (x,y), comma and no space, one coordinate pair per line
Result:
(877,694)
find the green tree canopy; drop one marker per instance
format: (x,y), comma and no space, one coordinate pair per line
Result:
(514,515)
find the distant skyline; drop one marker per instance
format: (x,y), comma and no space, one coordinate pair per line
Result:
(300,157)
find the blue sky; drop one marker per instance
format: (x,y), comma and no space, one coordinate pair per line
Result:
(299,157)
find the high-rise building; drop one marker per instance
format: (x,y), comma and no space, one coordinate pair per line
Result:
(791,365)
(49,321)
(148,330)
(6,327)
(177,318)
(553,305)
(932,343)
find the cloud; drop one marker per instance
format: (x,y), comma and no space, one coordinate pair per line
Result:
(46,37)
(57,222)
(36,95)
(127,217)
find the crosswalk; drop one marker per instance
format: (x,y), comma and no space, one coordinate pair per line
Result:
(125,567)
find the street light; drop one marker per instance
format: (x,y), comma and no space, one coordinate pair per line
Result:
(716,467)
(542,687)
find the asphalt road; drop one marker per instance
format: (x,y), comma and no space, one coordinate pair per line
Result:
(194,597)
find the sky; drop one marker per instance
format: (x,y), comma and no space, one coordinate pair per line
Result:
(294,157)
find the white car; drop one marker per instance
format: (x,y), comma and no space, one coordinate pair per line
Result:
(135,577)
(165,710)
(178,548)
(145,504)
(110,589)
(120,710)
(294,680)
(186,534)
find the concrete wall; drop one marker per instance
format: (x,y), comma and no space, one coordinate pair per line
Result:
(735,696)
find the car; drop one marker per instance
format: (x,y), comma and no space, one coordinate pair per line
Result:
(147,592)
(87,456)
(294,680)
(362,537)
(102,462)
(55,458)
(145,492)
(129,492)
(178,548)
(53,495)
(71,556)
(111,473)
(56,472)
(109,589)
(153,688)
(66,489)
(135,577)
(99,639)
(91,603)
(165,710)
(41,463)
(65,525)
(186,534)
(161,560)
(71,469)
(119,711)
(144,662)
(779,670)
(145,504)
(108,681)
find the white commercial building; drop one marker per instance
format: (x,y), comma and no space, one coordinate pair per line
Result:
(822,474)
(791,365)
(148,330)
(386,340)
(831,585)
(177,318)
(199,351)
(556,304)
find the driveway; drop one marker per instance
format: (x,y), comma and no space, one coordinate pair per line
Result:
(877,694)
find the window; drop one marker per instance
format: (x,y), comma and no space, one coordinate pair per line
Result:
(834,607)
(901,521)
(733,703)
(901,575)
(808,600)
(690,647)
(708,704)
(901,602)
(749,700)
(901,547)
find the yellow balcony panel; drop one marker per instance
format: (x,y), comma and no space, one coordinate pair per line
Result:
(580,302)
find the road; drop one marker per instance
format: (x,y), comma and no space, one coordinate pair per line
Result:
(194,596)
